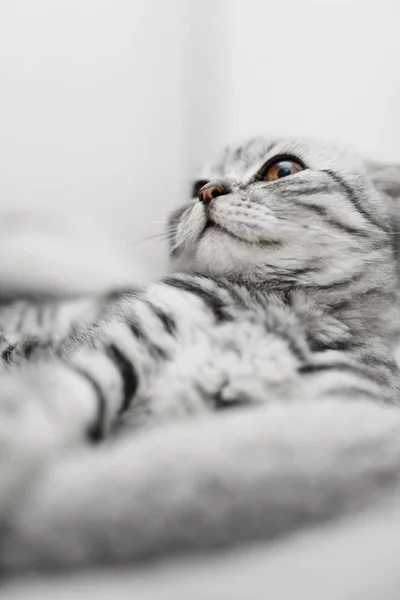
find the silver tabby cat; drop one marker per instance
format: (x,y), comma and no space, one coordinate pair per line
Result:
(282,302)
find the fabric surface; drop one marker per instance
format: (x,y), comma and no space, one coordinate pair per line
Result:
(353,559)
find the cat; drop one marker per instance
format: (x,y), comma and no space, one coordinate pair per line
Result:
(281,306)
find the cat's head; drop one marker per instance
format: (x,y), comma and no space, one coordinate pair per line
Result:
(290,212)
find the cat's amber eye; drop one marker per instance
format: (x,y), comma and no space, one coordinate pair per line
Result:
(282,168)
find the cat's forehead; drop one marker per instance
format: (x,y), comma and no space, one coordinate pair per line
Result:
(243,158)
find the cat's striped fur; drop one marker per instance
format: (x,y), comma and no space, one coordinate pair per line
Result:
(284,292)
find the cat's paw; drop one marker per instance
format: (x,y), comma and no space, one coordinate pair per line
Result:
(43,409)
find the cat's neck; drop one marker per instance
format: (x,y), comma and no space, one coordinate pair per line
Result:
(370,316)
(368,308)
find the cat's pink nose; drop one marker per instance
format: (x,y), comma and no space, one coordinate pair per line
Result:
(210,191)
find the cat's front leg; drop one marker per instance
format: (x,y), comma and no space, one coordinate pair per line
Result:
(48,406)
(249,475)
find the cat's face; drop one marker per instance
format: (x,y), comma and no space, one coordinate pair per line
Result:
(301,213)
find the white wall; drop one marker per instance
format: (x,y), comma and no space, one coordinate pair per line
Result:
(327,68)
(91,108)
(106,106)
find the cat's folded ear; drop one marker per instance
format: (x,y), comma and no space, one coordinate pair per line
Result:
(386,178)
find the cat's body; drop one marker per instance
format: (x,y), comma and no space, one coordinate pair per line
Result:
(287,296)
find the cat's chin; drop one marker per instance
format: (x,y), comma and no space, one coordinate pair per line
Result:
(221,254)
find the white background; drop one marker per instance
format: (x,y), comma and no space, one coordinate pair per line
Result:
(106,106)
